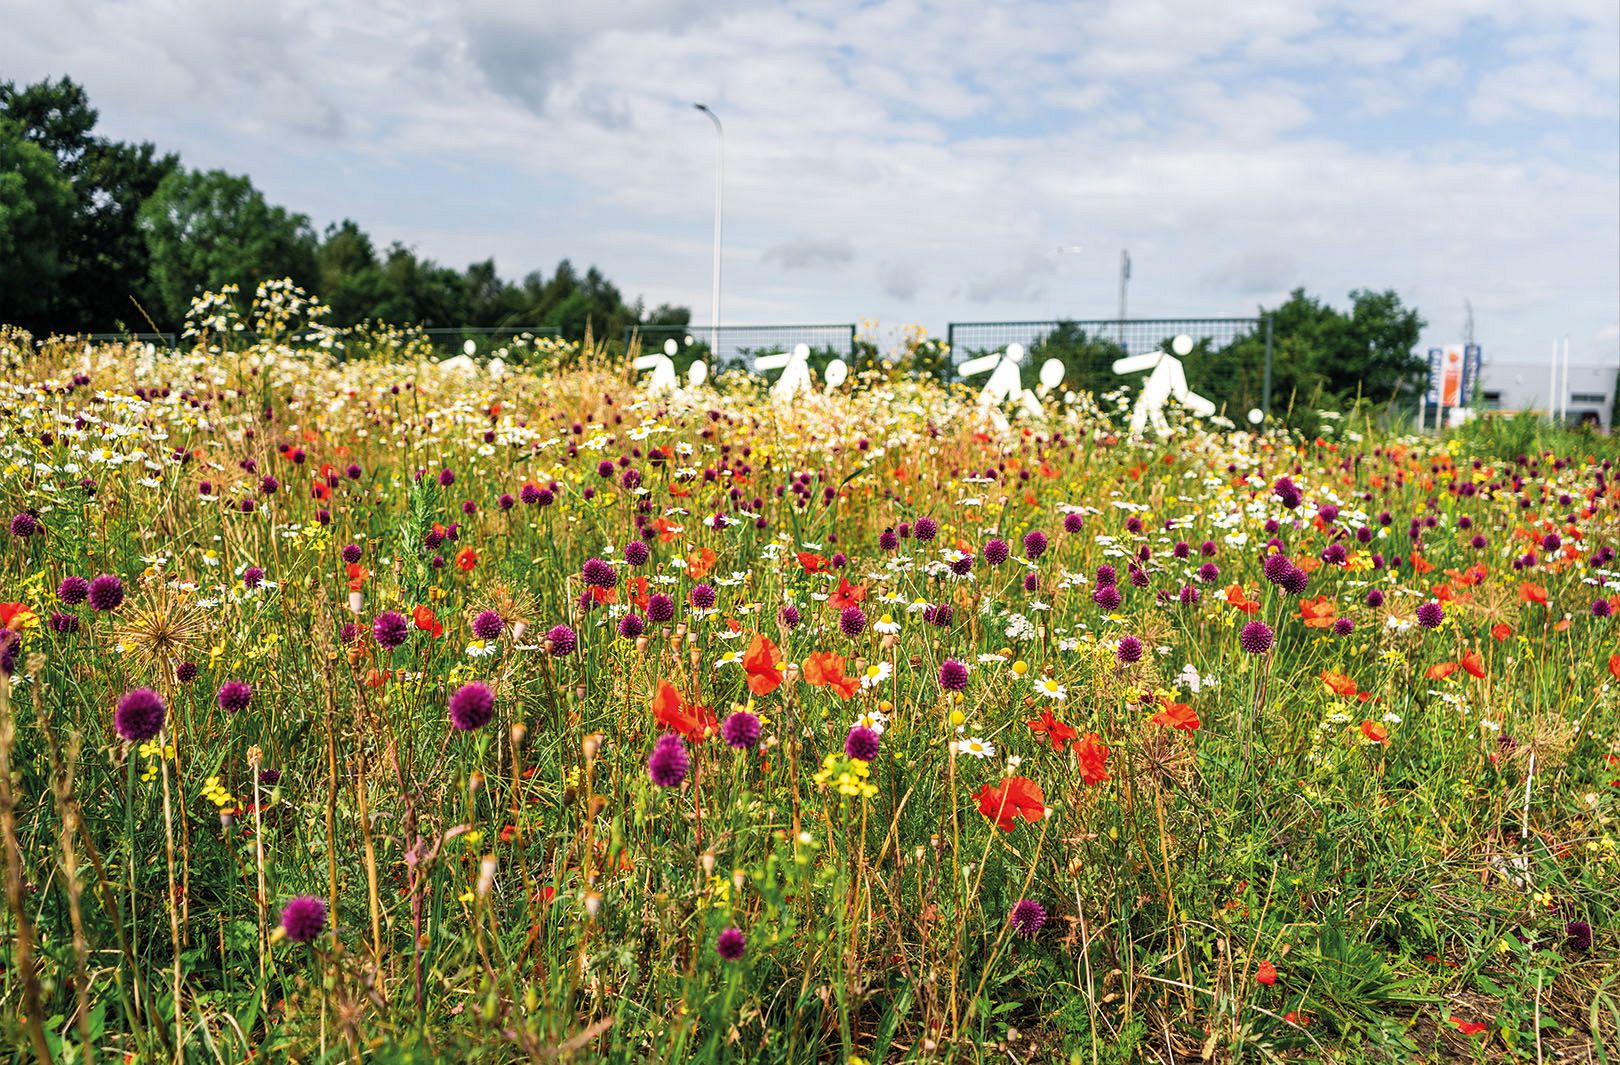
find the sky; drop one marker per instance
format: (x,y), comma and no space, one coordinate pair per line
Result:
(911,161)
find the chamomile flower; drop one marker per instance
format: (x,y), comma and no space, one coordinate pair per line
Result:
(1050,688)
(876,674)
(886,625)
(977,746)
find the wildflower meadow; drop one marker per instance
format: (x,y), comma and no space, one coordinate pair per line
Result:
(359,707)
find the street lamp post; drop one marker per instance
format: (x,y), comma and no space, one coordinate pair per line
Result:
(719,201)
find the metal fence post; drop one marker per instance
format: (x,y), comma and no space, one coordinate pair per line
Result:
(1266,402)
(852,328)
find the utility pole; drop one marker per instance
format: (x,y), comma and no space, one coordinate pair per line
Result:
(1124,283)
(719,201)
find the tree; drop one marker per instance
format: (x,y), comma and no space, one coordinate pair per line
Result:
(36,213)
(207,230)
(103,255)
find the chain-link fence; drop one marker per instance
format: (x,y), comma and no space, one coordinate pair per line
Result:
(736,346)
(1088,348)
(487,341)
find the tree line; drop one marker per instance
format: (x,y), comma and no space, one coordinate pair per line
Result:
(99,235)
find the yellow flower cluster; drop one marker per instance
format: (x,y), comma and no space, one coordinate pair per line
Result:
(215,793)
(850,776)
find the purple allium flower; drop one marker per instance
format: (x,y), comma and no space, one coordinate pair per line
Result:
(1032,582)
(731,944)
(447,478)
(1073,523)
(925,529)
(953,675)
(996,551)
(740,729)
(562,640)
(1107,596)
(939,614)
(73,590)
(702,596)
(1034,544)
(1190,595)
(1288,493)
(1276,567)
(303,918)
(268,485)
(861,743)
(1130,650)
(1431,614)
(185,672)
(64,623)
(1334,554)
(789,617)
(1107,575)
(631,626)
(1551,542)
(636,552)
(488,625)
(472,706)
(140,714)
(351,553)
(1344,627)
(598,574)
(1579,935)
(660,608)
(390,628)
(1601,608)
(1209,573)
(24,525)
(668,764)
(252,577)
(106,593)
(353,471)
(852,621)
(506,501)
(1375,597)
(1256,638)
(269,777)
(234,696)
(1028,916)
(1295,580)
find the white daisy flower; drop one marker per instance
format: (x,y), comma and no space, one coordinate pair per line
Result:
(1050,688)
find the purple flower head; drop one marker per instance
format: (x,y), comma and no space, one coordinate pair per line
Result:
(106,593)
(1028,916)
(390,628)
(488,625)
(1578,934)
(140,714)
(636,552)
(1032,582)
(234,696)
(996,551)
(447,478)
(252,577)
(1130,650)
(185,672)
(731,944)
(598,574)
(852,621)
(888,541)
(925,529)
(660,608)
(1431,614)
(861,743)
(24,525)
(1107,575)
(953,675)
(472,706)
(631,626)
(1073,523)
(1601,608)
(1344,627)
(740,730)
(303,918)
(1375,597)
(703,596)
(73,590)
(1256,638)
(1209,573)
(1107,596)
(562,640)
(1276,567)
(1034,544)
(789,617)
(351,553)
(64,623)
(939,614)
(669,763)
(1294,580)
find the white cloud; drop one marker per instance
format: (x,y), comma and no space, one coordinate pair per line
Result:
(941,149)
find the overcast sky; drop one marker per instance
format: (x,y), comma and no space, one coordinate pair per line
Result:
(918,162)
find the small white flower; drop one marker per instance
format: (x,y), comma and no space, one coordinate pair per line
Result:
(977,747)
(876,674)
(886,625)
(1050,688)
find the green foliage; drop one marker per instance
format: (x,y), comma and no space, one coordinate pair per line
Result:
(36,205)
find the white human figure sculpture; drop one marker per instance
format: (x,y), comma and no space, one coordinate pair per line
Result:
(1051,376)
(1006,384)
(795,367)
(662,366)
(1166,379)
(697,373)
(837,373)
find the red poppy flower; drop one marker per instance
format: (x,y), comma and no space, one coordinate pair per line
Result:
(1266,973)
(427,621)
(1013,798)
(1093,756)
(667,530)
(636,589)
(466,559)
(1177,715)
(847,595)
(1533,593)
(1236,596)
(1474,664)
(357,575)
(1501,631)
(812,562)
(1441,670)
(824,669)
(700,562)
(763,664)
(1374,731)
(1055,731)
(674,713)
(1468,1027)
(14,616)
(1318,613)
